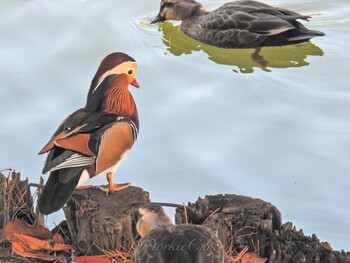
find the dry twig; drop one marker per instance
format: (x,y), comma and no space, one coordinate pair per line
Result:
(213,213)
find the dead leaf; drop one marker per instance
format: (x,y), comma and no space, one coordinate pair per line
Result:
(22,250)
(39,244)
(27,240)
(21,227)
(57,238)
(91,259)
(252,257)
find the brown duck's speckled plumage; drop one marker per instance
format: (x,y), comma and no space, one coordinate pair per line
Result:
(164,242)
(179,244)
(238,24)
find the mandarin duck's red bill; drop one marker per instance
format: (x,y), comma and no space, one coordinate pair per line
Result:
(95,139)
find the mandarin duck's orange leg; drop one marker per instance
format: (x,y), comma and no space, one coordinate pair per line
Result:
(112,186)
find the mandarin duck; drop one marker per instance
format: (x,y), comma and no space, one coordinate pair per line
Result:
(95,139)
(237,24)
(162,241)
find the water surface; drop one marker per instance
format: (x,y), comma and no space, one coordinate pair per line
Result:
(212,121)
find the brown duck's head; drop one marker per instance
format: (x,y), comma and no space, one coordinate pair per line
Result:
(177,10)
(150,216)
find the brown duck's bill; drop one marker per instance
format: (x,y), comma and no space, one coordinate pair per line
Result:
(159,18)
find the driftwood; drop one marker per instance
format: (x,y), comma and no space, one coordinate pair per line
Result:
(97,222)
(242,221)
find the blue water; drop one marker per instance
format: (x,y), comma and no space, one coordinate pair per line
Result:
(212,121)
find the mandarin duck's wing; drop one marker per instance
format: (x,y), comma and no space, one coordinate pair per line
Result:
(74,154)
(78,139)
(68,144)
(69,127)
(69,159)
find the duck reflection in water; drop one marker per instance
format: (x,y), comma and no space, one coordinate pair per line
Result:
(162,241)
(246,59)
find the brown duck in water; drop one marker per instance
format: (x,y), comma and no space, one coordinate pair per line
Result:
(238,24)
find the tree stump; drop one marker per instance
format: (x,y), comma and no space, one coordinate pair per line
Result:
(242,221)
(98,222)
(16,200)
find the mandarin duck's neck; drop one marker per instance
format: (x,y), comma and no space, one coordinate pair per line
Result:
(118,99)
(113,96)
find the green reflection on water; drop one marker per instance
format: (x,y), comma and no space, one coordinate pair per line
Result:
(273,57)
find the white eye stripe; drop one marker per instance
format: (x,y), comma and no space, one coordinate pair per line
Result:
(123,68)
(109,72)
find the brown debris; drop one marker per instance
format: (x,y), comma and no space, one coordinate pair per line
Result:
(91,259)
(28,240)
(20,227)
(25,251)
(252,257)
(121,255)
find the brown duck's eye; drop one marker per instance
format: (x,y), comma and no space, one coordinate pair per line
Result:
(130,71)
(167,4)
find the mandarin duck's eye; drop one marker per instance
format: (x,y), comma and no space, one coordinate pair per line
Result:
(130,71)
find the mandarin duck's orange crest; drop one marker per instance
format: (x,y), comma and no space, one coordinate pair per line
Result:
(94,139)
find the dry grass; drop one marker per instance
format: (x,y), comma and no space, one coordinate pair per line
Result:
(122,255)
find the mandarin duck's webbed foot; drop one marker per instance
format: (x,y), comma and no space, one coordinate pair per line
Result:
(112,187)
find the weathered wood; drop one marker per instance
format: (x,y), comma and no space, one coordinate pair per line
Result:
(96,221)
(243,221)
(16,200)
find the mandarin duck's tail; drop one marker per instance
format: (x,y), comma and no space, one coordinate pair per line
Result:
(58,189)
